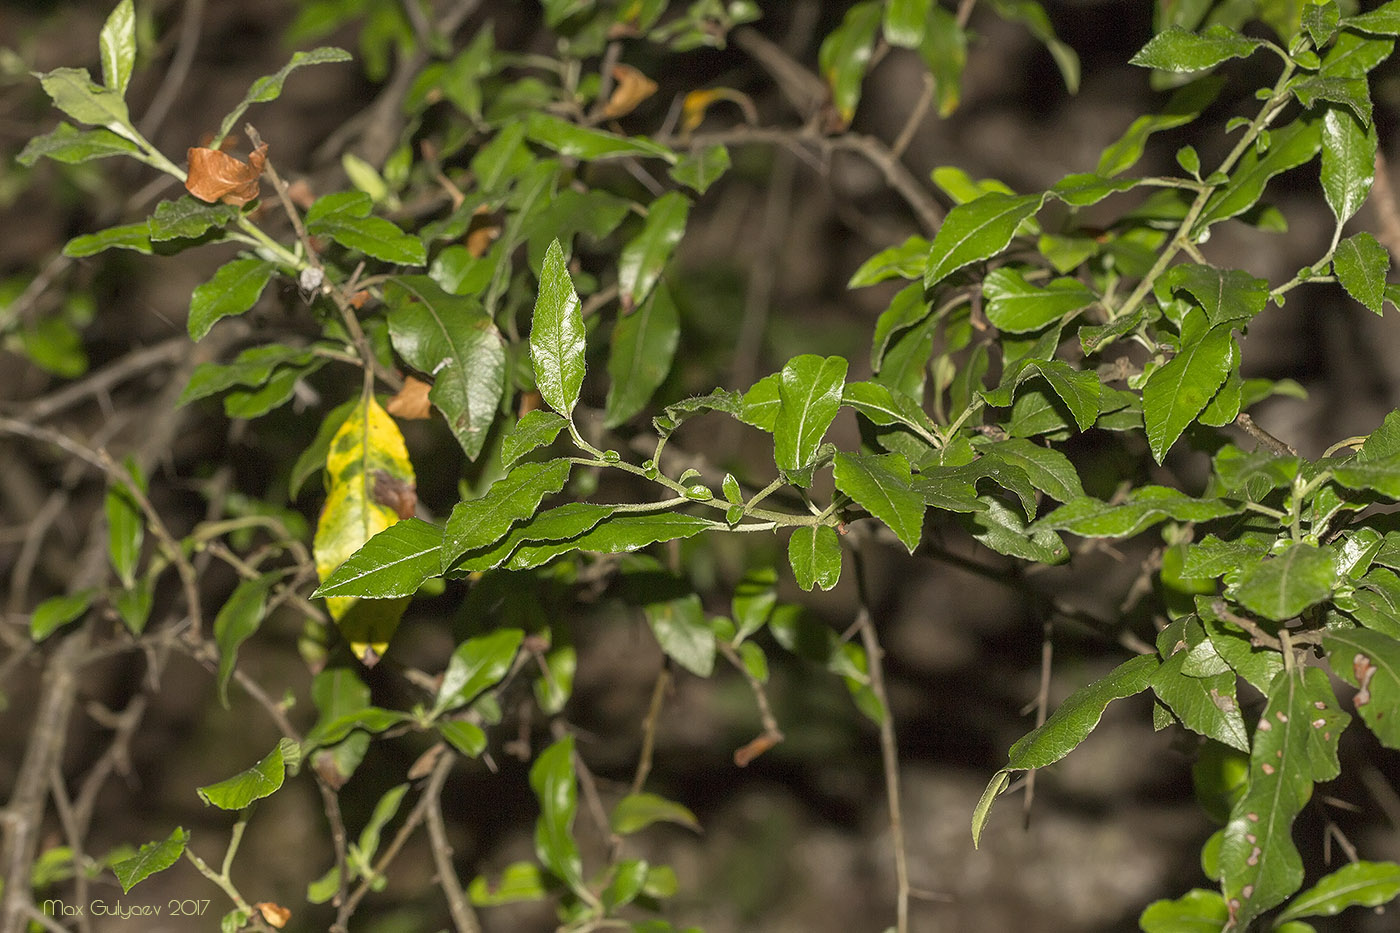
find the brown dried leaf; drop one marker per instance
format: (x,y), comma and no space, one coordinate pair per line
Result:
(274,915)
(484,230)
(632,88)
(412,401)
(218,176)
(426,761)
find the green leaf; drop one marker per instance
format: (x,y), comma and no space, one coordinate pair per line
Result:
(701,168)
(944,51)
(905,22)
(521,881)
(880,484)
(117,43)
(1226,295)
(73,92)
(759,406)
(1384,21)
(1282,587)
(845,55)
(394,562)
(455,340)
(552,780)
(236,622)
(1381,475)
(1348,163)
(755,595)
(905,261)
(589,145)
(636,812)
(467,737)
(1360,884)
(259,781)
(151,858)
(1295,745)
(643,345)
(1185,105)
(1077,716)
(1004,531)
(235,288)
(536,429)
(560,524)
(809,397)
(977,230)
(884,405)
(1289,147)
(134,605)
(345,217)
(57,611)
(1177,392)
(983,810)
(515,497)
(187,218)
(384,810)
(1256,664)
(1143,507)
(1196,911)
(1047,469)
(556,335)
(1361,264)
(1177,50)
(70,145)
(135,237)
(1016,306)
(814,552)
(1033,16)
(680,629)
(1351,93)
(370,719)
(338,693)
(476,664)
(1206,705)
(643,258)
(613,534)
(126,525)
(1370,661)
(269,87)
(1081,190)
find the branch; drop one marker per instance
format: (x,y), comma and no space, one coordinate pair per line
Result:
(463,916)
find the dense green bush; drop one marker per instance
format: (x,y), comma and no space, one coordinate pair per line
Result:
(497,257)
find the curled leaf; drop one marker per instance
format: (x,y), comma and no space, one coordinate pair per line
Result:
(696,103)
(218,176)
(632,88)
(275,915)
(411,403)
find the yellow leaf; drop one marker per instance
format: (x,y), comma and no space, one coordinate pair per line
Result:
(631,89)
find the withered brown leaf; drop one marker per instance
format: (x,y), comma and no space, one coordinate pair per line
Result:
(632,88)
(218,176)
(411,402)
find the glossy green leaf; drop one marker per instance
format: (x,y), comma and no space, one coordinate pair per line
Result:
(476,665)
(1177,392)
(1256,664)
(235,288)
(1348,163)
(560,524)
(57,611)
(1185,104)
(1225,295)
(338,693)
(1381,474)
(1353,94)
(944,51)
(536,429)
(612,534)
(279,388)
(384,810)
(681,631)
(642,348)
(394,562)
(135,237)
(1361,264)
(1283,586)
(1290,146)
(1017,306)
(187,218)
(236,622)
(516,497)
(587,144)
(70,145)
(1081,190)
(552,780)
(977,230)
(126,525)
(636,812)
(1046,468)
(701,168)
(809,395)
(884,406)
(1077,716)
(269,87)
(455,340)
(556,335)
(905,261)
(73,91)
(1196,911)
(151,858)
(639,267)
(983,809)
(1295,745)
(755,595)
(345,217)
(1384,20)
(759,405)
(521,881)
(1360,884)
(1370,661)
(370,720)
(845,55)
(1178,50)
(880,484)
(905,21)
(467,737)
(1206,705)
(133,605)
(117,44)
(259,781)
(1143,507)
(1006,532)
(814,551)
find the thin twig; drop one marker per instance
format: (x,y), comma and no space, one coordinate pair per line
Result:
(658,697)
(1042,706)
(771,734)
(889,748)
(916,117)
(179,69)
(1264,437)
(463,916)
(133,364)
